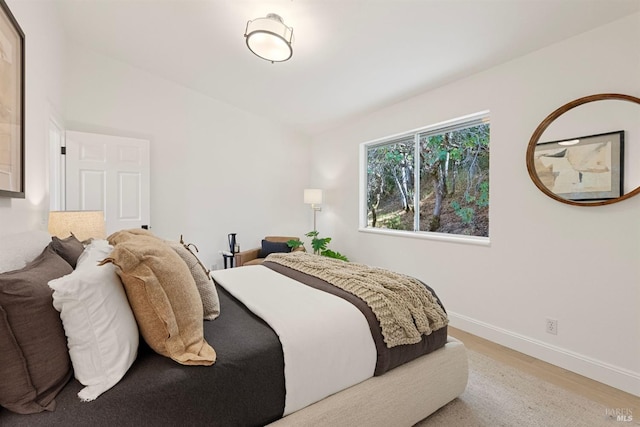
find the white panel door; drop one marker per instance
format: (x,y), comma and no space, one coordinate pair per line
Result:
(108,173)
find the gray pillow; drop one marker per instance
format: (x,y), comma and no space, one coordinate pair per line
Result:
(34,360)
(204,283)
(69,249)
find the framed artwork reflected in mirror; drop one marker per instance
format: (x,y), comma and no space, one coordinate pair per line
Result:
(583,168)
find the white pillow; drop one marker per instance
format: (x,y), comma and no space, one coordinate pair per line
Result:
(102,334)
(93,253)
(17,250)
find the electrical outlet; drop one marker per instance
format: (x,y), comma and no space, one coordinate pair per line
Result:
(552,326)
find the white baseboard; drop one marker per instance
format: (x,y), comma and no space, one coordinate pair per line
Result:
(614,376)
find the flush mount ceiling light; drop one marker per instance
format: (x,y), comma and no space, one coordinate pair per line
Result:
(571,142)
(269,38)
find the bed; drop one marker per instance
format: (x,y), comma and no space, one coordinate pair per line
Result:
(246,385)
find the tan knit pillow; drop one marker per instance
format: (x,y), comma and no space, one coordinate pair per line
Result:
(164,299)
(129,234)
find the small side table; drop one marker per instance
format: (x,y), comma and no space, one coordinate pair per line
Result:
(228,257)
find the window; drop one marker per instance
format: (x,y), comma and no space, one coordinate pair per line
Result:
(434,179)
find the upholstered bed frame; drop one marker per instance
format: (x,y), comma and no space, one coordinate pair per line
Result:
(400,397)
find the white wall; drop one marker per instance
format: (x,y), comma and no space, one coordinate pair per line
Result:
(578,265)
(217,170)
(44,65)
(214,169)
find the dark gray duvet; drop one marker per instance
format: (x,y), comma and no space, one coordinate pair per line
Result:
(245,387)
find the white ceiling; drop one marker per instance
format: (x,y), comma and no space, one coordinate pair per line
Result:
(350,56)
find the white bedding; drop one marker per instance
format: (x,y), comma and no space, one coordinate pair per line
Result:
(326,341)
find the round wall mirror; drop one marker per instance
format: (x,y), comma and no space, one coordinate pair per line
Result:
(587,152)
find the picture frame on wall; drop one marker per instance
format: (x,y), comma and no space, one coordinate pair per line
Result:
(584,168)
(12,126)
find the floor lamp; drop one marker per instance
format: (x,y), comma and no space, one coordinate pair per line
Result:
(313,197)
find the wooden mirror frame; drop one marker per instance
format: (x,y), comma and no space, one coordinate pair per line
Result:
(533,142)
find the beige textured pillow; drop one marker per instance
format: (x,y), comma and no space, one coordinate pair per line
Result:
(164,299)
(204,283)
(129,234)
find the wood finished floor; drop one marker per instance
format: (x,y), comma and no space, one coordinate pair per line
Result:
(608,396)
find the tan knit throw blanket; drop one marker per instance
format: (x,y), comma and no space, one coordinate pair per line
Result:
(403,305)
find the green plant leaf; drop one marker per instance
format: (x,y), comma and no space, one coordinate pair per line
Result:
(294,243)
(331,254)
(320,245)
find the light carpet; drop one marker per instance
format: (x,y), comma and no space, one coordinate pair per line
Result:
(500,395)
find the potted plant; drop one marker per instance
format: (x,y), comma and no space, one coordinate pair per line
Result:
(319,246)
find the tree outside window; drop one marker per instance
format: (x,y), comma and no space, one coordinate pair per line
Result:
(432,180)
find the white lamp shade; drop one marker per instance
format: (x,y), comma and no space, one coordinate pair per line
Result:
(83,224)
(313,196)
(269,38)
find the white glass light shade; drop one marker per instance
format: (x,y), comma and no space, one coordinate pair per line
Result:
(83,224)
(269,38)
(313,196)
(570,142)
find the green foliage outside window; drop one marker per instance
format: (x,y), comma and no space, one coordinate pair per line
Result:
(450,192)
